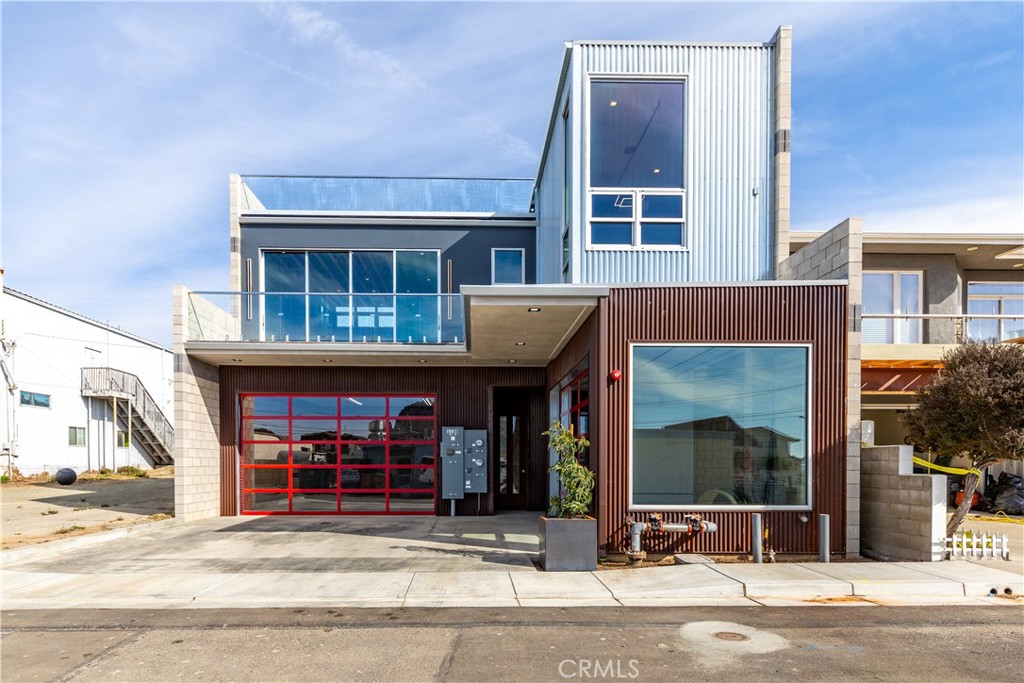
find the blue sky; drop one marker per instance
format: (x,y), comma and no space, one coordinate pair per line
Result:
(121,122)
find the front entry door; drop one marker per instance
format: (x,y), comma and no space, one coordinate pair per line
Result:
(511,448)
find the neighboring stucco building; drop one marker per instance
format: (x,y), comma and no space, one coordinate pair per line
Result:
(629,291)
(79,393)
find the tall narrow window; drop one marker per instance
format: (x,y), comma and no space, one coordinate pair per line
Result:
(330,307)
(892,294)
(284,281)
(508,267)
(636,198)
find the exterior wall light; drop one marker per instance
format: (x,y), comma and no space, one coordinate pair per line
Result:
(533,310)
(615,375)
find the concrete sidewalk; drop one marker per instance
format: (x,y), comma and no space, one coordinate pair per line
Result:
(436,562)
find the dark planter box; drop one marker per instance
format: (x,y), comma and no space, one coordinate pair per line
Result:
(568,545)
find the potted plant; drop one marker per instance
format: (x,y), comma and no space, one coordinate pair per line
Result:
(568,538)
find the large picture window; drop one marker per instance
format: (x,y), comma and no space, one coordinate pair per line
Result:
(636,133)
(352,296)
(337,454)
(720,425)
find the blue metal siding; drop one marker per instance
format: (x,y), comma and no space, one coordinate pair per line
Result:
(729,111)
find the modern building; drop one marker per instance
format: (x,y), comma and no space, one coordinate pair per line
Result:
(79,393)
(639,289)
(923,294)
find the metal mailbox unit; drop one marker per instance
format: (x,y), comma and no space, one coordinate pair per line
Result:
(463,463)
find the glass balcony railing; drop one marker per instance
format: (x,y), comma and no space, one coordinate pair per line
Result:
(939,328)
(323,317)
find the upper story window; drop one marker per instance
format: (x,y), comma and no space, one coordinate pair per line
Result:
(995,298)
(636,198)
(892,293)
(30,398)
(508,267)
(386,295)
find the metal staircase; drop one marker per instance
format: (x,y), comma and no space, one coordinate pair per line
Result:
(135,408)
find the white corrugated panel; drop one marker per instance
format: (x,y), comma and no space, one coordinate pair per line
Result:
(729,139)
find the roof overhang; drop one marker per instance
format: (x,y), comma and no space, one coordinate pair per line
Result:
(525,324)
(988,251)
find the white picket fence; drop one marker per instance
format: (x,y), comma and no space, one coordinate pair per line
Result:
(972,544)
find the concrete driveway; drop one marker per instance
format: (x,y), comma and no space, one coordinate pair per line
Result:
(430,562)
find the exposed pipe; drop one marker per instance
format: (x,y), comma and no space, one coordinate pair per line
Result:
(692,525)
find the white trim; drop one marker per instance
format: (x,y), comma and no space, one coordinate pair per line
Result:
(522,265)
(589,190)
(808,451)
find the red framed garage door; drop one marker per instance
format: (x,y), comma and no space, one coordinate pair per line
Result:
(317,454)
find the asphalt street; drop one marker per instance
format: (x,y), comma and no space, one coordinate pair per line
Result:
(826,643)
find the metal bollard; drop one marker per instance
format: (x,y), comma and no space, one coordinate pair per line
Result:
(755,536)
(823,538)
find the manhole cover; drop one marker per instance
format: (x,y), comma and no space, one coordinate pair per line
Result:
(729,635)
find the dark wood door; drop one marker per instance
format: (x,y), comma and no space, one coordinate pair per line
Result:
(512,431)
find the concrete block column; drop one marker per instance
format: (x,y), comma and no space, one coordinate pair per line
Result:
(197,425)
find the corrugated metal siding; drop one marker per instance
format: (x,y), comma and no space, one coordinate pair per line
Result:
(464,397)
(550,206)
(756,313)
(729,91)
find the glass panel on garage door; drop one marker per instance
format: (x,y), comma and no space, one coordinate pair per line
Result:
(338,454)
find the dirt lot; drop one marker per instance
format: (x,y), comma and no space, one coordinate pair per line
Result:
(37,513)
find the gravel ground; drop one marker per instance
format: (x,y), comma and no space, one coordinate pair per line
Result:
(37,513)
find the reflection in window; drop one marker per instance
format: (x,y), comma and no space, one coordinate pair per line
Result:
(31,398)
(352,296)
(891,293)
(507,267)
(995,298)
(337,453)
(720,425)
(636,134)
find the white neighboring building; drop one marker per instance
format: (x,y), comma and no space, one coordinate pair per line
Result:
(55,413)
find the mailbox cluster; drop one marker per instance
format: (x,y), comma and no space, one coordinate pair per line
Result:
(463,462)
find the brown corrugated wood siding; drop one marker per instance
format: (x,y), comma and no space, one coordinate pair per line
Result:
(464,397)
(814,314)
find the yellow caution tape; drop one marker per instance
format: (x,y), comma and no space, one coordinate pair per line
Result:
(949,470)
(1000,517)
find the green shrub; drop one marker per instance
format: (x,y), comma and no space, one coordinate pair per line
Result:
(4,479)
(132,471)
(575,481)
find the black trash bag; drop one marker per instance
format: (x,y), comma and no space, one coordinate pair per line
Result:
(1010,500)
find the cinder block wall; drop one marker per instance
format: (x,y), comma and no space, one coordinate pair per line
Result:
(903,515)
(197,426)
(839,255)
